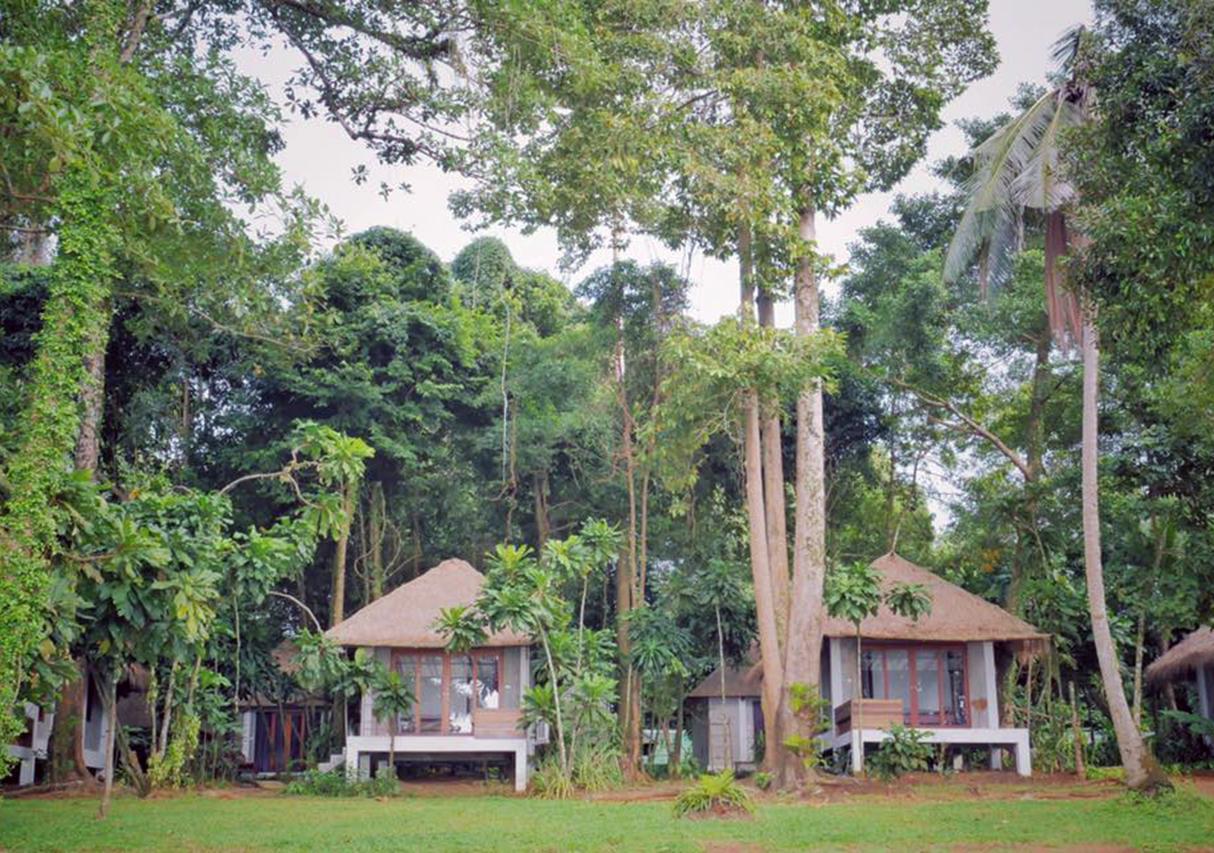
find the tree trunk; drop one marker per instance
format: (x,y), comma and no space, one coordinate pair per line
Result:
(543,526)
(1142,771)
(67,737)
(92,396)
(773,494)
(626,571)
(337,600)
(760,565)
(803,656)
(376,532)
(111,710)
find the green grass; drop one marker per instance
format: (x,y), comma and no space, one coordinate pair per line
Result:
(505,823)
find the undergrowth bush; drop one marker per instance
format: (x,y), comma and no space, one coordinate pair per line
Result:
(714,792)
(335,783)
(763,780)
(904,751)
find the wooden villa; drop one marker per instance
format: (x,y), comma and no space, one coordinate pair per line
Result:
(937,675)
(467,706)
(1192,657)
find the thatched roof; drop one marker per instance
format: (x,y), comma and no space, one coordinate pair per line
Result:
(743,680)
(1193,651)
(957,615)
(405,616)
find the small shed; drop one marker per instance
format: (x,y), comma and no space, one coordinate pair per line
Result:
(468,705)
(937,675)
(1192,657)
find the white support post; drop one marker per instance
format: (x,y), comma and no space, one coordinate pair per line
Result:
(857,750)
(836,680)
(1024,758)
(992,687)
(520,769)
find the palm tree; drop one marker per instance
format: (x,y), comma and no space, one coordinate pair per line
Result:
(1020,167)
(393,700)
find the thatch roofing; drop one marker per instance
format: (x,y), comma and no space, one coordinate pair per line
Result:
(743,680)
(957,615)
(405,617)
(1193,651)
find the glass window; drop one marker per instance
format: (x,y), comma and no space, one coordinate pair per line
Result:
(897,667)
(512,676)
(927,687)
(460,697)
(430,698)
(488,689)
(406,665)
(956,714)
(872,673)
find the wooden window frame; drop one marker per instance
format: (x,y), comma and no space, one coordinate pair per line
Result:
(911,716)
(475,655)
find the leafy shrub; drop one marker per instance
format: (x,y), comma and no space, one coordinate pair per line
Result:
(904,751)
(715,792)
(763,780)
(550,782)
(597,769)
(811,711)
(335,783)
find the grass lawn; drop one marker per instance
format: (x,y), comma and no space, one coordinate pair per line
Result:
(204,821)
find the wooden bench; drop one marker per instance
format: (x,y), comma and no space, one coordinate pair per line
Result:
(876,714)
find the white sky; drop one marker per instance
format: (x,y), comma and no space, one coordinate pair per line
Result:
(320,157)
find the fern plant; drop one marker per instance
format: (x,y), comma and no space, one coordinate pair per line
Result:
(714,792)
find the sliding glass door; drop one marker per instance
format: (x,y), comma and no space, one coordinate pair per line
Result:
(929,679)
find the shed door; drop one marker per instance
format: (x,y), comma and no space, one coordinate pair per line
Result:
(721,734)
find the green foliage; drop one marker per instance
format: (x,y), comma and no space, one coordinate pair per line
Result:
(811,711)
(904,750)
(853,592)
(170,770)
(763,780)
(314,783)
(716,793)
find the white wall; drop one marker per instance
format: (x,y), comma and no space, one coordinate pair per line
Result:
(983,690)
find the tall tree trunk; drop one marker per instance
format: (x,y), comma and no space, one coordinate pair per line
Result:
(337,600)
(1142,771)
(802,662)
(626,572)
(376,532)
(773,494)
(543,526)
(756,515)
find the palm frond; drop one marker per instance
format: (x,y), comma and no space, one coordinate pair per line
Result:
(1065,51)
(990,220)
(1040,184)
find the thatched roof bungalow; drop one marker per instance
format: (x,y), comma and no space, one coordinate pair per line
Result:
(467,705)
(937,674)
(1191,657)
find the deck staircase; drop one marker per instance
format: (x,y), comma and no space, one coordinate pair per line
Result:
(336,760)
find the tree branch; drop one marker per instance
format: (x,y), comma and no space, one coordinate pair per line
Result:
(970,424)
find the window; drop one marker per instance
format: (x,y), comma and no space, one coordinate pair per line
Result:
(929,679)
(459,717)
(488,688)
(448,689)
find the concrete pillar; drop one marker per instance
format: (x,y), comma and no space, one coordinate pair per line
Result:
(520,769)
(857,749)
(1024,758)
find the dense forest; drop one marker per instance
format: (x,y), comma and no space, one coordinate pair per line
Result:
(220,429)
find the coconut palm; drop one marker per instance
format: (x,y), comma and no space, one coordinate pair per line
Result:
(1020,167)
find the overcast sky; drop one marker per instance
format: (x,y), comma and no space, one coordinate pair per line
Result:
(320,157)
